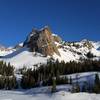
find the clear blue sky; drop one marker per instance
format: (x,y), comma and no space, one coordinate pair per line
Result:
(73,20)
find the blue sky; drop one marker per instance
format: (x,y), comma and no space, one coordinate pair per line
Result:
(73,20)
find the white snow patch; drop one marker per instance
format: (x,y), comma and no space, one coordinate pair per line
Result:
(23,57)
(66,56)
(62,95)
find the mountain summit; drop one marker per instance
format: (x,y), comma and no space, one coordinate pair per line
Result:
(42,41)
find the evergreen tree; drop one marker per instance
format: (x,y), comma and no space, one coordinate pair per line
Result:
(70,81)
(77,88)
(90,55)
(96,87)
(53,86)
(97,81)
(85,87)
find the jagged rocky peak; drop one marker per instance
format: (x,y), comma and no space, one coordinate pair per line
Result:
(42,41)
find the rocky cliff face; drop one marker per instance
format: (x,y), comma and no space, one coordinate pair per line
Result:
(42,41)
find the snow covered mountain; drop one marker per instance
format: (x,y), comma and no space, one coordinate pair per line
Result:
(5,51)
(76,51)
(40,45)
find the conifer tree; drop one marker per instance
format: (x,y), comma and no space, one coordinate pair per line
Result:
(53,86)
(70,80)
(97,81)
(96,87)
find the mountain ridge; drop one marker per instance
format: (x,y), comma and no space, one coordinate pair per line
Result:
(43,44)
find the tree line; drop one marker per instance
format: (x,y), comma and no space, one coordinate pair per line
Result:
(44,74)
(48,74)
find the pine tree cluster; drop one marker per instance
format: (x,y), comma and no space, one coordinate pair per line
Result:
(7,78)
(50,74)
(44,74)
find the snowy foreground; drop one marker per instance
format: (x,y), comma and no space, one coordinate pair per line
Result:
(44,93)
(19,95)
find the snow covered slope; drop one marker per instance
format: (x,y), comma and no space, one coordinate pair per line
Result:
(62,95)
(5,51)
(81,78)
(23,57)
(70,51)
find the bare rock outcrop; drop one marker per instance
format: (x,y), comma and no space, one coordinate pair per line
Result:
(42,41)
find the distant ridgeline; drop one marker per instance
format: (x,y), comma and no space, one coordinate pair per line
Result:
(42,44)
